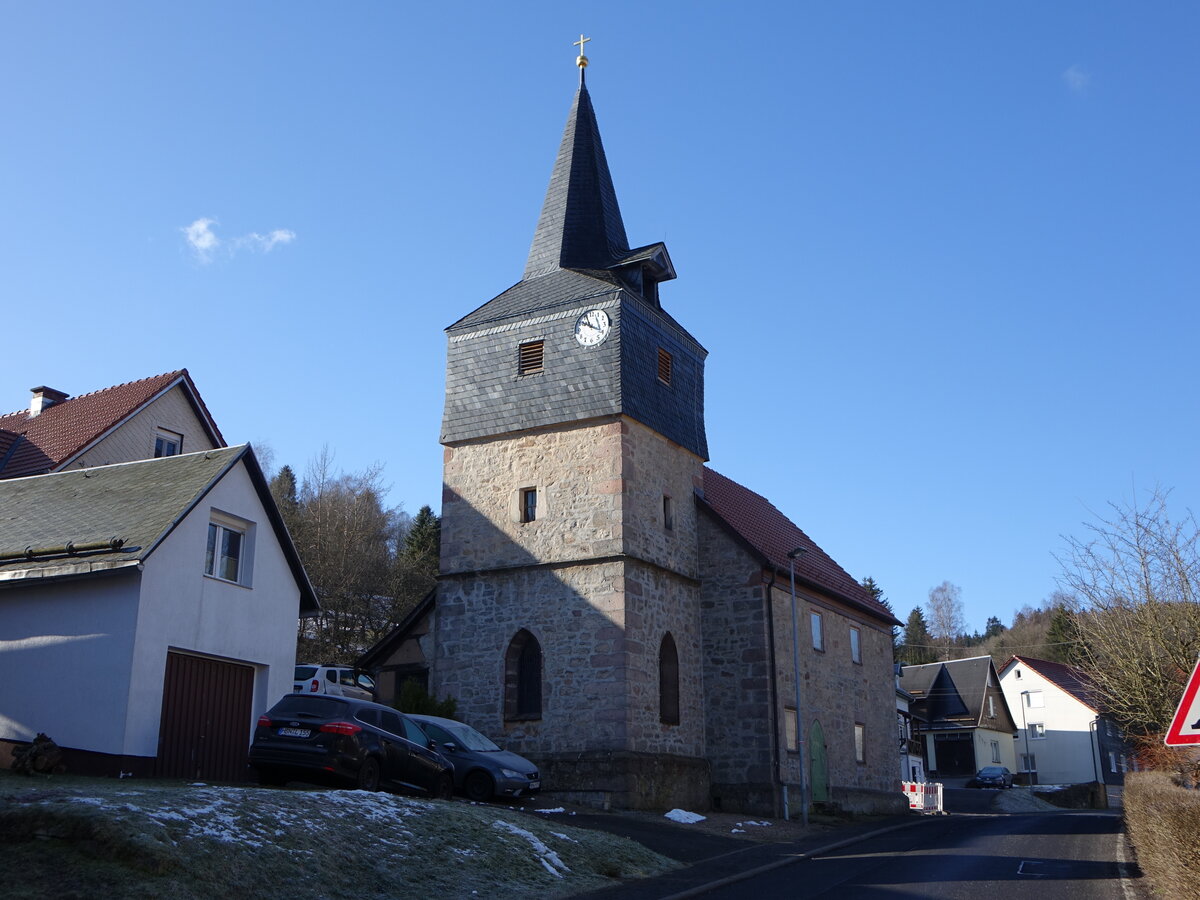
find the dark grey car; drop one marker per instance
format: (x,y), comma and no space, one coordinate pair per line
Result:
(482,770)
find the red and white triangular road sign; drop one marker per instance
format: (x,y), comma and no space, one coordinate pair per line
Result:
(1185,727)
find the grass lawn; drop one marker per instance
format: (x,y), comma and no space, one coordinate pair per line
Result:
(69,836)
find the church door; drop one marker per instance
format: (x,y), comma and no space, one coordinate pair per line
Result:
(819,768)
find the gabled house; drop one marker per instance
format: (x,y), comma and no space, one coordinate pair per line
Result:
(148,612)
(908,729)
(1065,738)
(152,417)
(965,721)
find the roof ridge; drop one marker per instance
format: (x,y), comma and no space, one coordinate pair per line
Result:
(111,387)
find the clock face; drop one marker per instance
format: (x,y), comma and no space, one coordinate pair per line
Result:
(592,327)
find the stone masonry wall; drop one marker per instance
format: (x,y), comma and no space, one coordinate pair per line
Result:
(837,692)
(736,673)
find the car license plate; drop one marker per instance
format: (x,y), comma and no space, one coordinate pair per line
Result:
(294,732)
(534,785)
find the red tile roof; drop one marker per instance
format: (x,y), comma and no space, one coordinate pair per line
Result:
(1069,678)
(31,446)
(772,535)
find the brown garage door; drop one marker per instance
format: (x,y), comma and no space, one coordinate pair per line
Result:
(205,727)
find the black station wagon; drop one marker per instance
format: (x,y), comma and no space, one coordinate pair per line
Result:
(317,737)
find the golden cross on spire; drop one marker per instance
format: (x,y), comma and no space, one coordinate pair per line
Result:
(582,61)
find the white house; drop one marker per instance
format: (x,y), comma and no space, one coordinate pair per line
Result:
(1063,738)
(148,612)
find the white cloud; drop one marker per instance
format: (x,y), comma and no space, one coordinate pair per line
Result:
(1077,79)
(265,242)
(205,243)
(201,238)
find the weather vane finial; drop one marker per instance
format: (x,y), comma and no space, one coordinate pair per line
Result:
(582,61)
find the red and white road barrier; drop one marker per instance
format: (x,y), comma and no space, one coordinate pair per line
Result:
(923,795)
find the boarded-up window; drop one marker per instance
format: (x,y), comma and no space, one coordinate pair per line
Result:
(523,678)
(668,681)
(664,366)
(529,357)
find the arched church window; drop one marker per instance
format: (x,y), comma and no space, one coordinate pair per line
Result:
(668,681)
(523,678)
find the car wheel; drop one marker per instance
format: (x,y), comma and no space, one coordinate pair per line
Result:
(368,774)
(479,787)
(444,789)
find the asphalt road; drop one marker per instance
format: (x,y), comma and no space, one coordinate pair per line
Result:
(1048,856)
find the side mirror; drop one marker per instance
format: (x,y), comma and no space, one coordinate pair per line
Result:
(450,745)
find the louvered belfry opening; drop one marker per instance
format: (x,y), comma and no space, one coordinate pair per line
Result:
(664,366)
(530,357)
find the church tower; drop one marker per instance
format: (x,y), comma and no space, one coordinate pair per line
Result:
(568,608)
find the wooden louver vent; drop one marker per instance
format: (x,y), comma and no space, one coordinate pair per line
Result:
(529,358)
(664,366)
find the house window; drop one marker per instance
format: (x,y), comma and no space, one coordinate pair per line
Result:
(789,729)
(991,707)
(1112,761)
(1037,731)
(523,678)
(664,366)
(995,751)
(223,555)
(1034,699)
(1018,675)
(856,644)
(167,443)
(1028,762)
(860,742)
(668,681)
(528,504)
(818,631)
(668,514)
(530,357)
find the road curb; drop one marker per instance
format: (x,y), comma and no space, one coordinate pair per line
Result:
(788,860)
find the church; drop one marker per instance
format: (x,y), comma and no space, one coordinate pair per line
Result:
(608,605)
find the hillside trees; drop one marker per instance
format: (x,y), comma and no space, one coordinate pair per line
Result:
(1135,576)
(876,592)
(369,563)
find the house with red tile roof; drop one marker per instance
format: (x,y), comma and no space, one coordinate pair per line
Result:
(1064,736)
(152,417)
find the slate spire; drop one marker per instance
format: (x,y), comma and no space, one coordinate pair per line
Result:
(580,226)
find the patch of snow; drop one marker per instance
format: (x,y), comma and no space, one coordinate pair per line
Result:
(684,817)
(564,837)
(547,857)
(557,809)
(90,801)
(737,831)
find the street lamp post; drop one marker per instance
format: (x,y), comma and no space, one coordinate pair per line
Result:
(796,674)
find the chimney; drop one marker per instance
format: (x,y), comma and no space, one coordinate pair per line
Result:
(43,398)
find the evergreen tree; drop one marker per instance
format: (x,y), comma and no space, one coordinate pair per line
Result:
(414,573)
(877,593)
(917,648)
(1062,638)
(284,490)
(993,628)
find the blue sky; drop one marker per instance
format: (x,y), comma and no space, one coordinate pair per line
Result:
(943,256)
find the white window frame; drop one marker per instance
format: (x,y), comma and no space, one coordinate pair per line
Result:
(789,729)
(860,742)
(856,644)
(816,622)
(1029,762)
(992,709)
(170,437)
(1037,731)
(995,751)
(218,525)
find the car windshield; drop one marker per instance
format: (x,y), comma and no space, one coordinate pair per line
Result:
(991,770)
(303,673)
(468,737)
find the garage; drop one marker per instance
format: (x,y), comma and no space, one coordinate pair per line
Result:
(204,731)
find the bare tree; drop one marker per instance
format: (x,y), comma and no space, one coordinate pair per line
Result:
(946,620)
(1135,576)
